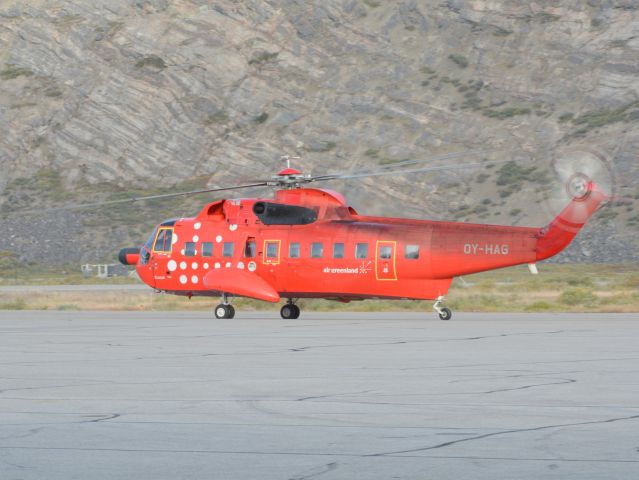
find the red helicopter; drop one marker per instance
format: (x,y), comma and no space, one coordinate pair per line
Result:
(309,243)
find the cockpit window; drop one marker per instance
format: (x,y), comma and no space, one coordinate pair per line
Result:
(149,242)
(163,240)
(145,255)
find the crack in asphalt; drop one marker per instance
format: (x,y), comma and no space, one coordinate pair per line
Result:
(313,454)
(303,349)
(563,381)
(316,472)
(508,335)
(28,433)
(102,418)
(51,386)
(430,340)
(302,399)
(503,432)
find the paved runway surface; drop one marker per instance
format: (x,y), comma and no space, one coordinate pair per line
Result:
(331,396)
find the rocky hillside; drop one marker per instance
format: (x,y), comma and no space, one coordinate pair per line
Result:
(104,99)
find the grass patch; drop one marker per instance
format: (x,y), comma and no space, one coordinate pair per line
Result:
(218,117)
(372,153)
(321,146)
(506,112)
(16,304)
(565,288)
(388,161)
(501,32)
(566,117)
(459,60)
(151,61)
(261,118)
(11,71)
(578,296)
(263,57)
(599,118)
(545,17)
(514,175)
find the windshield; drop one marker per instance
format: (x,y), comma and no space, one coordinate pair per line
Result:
(149,242)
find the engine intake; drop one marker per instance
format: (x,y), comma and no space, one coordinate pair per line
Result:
(271,213)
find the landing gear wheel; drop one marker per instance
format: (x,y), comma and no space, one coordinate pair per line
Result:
(289,311)
(445,314)
(224,311)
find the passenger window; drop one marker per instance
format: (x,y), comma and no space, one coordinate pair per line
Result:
(385,252)
(207,249)
(189,249)
(317,250)
(361,250)
(227,250)
(411,252)
(249,248)
(338,250)
(271,250)
(294,250)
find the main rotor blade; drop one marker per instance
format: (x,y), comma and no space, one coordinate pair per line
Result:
(138,199)
(379,173)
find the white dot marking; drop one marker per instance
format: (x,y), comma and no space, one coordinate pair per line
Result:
(194,265)
(182,265)
(195,238)
(197,225)
(194,279)
(183,279)
(172,265)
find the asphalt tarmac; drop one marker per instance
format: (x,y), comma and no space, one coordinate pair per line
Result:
(333,396)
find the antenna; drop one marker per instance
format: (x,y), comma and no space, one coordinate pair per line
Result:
(288,158)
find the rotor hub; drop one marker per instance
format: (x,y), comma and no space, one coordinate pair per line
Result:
(288,171)
(578,186)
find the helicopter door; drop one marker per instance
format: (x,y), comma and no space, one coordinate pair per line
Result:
(385,260)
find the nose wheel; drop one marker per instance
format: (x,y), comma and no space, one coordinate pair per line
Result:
(444,313)
(290,311)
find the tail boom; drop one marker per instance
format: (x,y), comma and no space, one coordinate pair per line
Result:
(462,249)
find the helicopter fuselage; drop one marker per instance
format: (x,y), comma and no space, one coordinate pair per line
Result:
(308,243)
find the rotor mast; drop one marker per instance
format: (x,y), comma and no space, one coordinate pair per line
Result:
(289,178)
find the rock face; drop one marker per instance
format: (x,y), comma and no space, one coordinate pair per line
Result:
(101,98)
